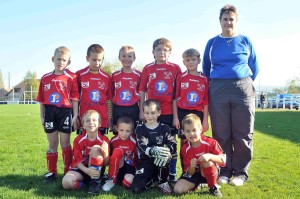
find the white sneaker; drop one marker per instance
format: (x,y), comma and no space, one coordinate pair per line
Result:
(222,180)
(166,189)
(237,181)
(109,184)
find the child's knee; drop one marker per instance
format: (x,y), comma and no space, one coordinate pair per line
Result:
(67,182)
(207,164)
(129,177)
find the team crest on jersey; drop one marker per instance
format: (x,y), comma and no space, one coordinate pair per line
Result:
(101,85)
(152,76)
(55,98)
(49,125)
(184,85)
(47,87)
(85,84)
(159,139)
(125,95)
(201,87)
(167,75)
(118,85)
(193,97)
(62,86)
(95,96)
(161,86)
(132,84)
(143,140)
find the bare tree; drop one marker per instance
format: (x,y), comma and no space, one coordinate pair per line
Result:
(1,80)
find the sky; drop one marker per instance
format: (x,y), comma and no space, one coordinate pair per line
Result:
(32,29)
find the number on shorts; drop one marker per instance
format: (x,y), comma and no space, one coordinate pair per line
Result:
(67,121)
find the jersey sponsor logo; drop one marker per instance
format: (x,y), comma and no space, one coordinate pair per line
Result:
(167,75)
(193,97)
(126,95)
(49,125)
(93,78)
(161,86)
(201,87)
(152,75)
(159,139)
(184,85)
(55,98)
(85,84)
(95,95)
(101,85)
(127,78)
(118,85)
(47,87)
(194,80)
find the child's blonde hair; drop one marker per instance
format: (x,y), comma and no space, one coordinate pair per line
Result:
(62,50)
(89,113)
(127,48)
(190,53)
(162,41)
(191,119)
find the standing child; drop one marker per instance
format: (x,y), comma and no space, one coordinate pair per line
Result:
(91,153)
(158,82)
(123,159)
(125,83)
(201,155)
(58,94)
(95,86)
(191,92)
(155,145)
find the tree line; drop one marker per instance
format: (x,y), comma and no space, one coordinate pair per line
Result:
(31,81)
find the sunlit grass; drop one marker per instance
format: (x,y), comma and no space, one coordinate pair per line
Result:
(274,171)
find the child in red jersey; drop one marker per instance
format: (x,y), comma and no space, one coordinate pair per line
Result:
(123,159)
(201,155)
(91,153)
(58,96)
(125,83)
(95,86)
(158,82)
(191,92)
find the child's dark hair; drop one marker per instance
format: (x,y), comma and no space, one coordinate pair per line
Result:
(152,101)
(162,41)
(94,48)
(126,120)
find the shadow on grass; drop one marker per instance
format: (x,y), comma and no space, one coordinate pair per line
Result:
(282,124)
(55,190)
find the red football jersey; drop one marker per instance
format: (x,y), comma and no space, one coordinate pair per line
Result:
(125,87)
(82,146)
(128,147)
(95,90)
(158,82)
(58,90)
(208,145)
(191,91)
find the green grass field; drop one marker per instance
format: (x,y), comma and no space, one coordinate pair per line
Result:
(274,171)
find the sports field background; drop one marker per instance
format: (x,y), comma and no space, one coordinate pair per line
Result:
(274,171)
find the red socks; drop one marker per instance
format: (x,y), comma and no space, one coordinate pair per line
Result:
(126,184)
(52,162)
(211,175)
(67,155)
(114,163)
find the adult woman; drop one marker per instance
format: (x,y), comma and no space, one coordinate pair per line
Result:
(230,63)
